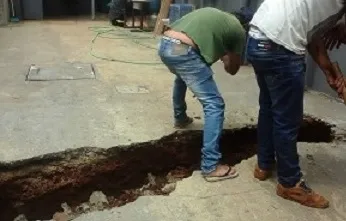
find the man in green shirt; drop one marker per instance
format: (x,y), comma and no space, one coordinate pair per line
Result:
(188,48)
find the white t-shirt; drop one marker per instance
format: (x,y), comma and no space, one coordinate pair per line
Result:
(293,23)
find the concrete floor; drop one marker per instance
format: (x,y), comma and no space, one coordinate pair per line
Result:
(45,117)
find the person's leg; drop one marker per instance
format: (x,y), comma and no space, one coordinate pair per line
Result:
(265,151)
(179,104)
(213,106)
(199,79)
(197,75)
(203,86)
(283,74)
(281,80)
(286,87)
(181,119)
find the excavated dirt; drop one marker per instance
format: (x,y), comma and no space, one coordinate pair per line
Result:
(37,187)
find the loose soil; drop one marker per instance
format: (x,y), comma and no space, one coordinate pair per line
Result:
(37,187)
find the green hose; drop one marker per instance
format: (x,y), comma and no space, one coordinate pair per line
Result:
(118,33)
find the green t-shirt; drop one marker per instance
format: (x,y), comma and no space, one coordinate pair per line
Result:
(213,31)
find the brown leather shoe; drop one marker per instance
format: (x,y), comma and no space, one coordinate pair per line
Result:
(302,194)
(260,174)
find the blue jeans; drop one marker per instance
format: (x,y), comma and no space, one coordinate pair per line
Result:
(191,71)
(280,77)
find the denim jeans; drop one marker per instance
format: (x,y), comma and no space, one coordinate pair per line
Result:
(191,71)
(280,77)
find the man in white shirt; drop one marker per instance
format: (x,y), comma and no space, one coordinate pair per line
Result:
(280,34)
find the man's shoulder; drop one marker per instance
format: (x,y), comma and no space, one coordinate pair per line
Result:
(233,24)
(209,9)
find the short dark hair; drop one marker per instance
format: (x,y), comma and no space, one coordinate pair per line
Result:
(245,15)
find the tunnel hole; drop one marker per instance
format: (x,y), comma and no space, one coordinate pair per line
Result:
(37,187)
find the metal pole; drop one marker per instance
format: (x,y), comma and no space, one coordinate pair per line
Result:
(93,9)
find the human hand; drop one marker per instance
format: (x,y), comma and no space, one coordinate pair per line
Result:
(331,81)
(337,81)
(340,83)
(225,60)
(335,37)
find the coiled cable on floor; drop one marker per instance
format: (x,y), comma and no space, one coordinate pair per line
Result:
(110,32)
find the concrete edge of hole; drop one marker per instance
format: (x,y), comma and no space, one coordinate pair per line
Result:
(89,151)
(83,169)
(117,169)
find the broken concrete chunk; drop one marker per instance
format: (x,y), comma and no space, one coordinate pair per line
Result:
(83,208)
(148,193)
(144,187)
(172,179)
(60,217)
(66,208)
(168,188)
(152,179)
(20,218)
(98,199)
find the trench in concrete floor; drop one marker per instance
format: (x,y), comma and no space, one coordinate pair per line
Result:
(37,187)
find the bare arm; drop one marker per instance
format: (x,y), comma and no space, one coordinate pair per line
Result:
(318,52)
(231,62)
(336,36)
